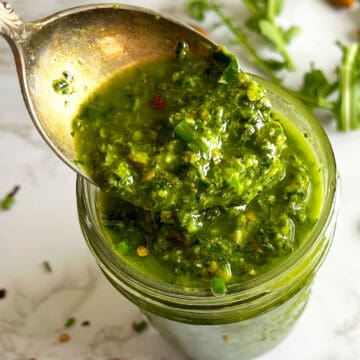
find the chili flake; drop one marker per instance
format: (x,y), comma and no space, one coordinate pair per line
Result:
(64,338)
(142,251)
(157,102)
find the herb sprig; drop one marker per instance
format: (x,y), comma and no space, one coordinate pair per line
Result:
(262,22)
(341,97)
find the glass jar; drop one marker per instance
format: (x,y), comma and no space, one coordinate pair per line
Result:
(253,316)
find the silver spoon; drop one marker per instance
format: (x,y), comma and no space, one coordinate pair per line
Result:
(61,59)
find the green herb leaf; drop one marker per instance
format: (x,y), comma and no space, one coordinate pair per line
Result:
(47,266)
(217,286)
(276,36)
(198,8)
(290,33)
(141,326)
(70,322)
(316,89)
(8,201)
(228,63)
(184,131)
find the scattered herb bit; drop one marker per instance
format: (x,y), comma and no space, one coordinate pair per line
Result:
(139,327)
(8,201)
(70,322)
(217,286)
(182,50)
(47,267)
(64,337)
(63,84)
(3,293)
(157,102)
(85,323)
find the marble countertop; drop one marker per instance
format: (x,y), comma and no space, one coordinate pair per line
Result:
(42,226)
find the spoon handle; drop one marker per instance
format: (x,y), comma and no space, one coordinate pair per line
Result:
(11,26)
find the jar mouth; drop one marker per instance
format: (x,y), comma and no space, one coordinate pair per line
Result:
(116,268)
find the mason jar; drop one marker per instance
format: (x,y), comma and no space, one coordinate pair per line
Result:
(252,317)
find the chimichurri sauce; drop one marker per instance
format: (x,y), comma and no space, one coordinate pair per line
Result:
(202,183)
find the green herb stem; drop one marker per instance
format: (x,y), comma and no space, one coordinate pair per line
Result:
(241,37)
(349,117)
(312,102)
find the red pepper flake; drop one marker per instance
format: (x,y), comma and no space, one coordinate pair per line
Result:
(64,337)
(157,102)
(177,240)
(2,293)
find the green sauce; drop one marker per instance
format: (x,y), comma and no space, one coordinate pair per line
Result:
(203,185)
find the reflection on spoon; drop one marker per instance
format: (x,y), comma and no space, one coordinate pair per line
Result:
(61,59)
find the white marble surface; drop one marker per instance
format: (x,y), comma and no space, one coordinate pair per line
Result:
(43,225)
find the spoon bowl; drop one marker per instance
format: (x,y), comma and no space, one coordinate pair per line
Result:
(63,58)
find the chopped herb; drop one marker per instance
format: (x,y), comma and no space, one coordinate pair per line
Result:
(47,267)
(3,293)
(139,327)
(70,322)
(8,201)
(63,85)
(182,50)
(217,286)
